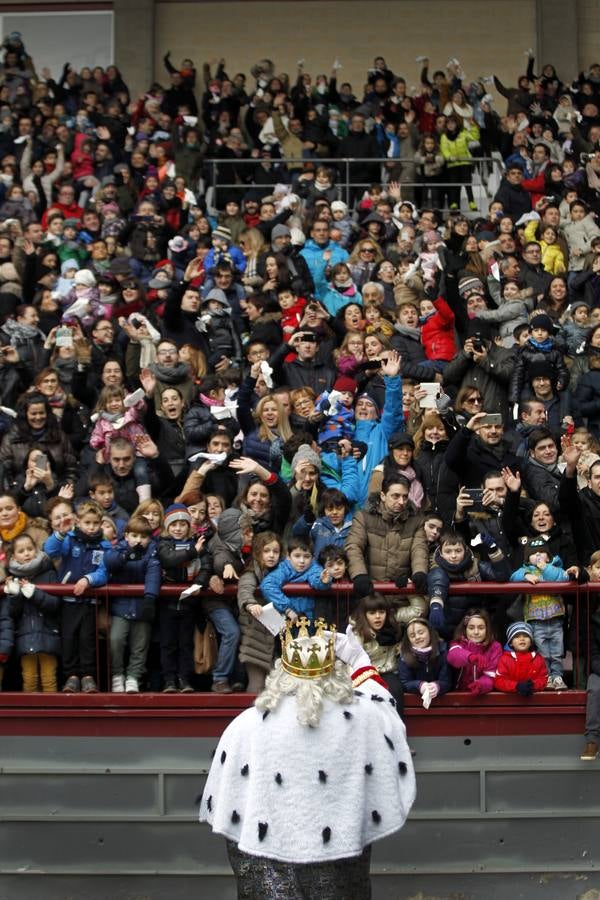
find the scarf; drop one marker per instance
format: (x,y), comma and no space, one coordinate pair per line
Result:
(147,353)
(407,331)
(111,417)
(65,369)
(57,401)
(543,346)
(40,562)
(21,334)
(421,653)
(172,375)
(497,450)
(9,534)
(386,636)
(209,401)
(347,287)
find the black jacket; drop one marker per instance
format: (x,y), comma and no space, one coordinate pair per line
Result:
(37,619)
(471,459)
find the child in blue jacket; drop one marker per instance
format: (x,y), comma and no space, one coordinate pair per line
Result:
(332,525)
(133,561)
(81,553)
(298,566)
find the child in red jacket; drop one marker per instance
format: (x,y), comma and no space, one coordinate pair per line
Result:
(437,332)
(521,670)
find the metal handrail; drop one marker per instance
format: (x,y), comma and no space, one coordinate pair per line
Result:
(345,183)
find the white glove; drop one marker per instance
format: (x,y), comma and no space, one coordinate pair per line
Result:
(11,587)
(28,589)
(348,649)
(337,64)
(334,402)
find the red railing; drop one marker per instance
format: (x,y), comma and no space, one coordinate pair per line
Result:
(204,714)
(579,595)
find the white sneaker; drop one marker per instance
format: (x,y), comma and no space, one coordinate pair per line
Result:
(558,684)
(118,684)
(549,684)
(131,685)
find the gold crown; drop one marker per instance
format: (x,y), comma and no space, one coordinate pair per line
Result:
(306,655)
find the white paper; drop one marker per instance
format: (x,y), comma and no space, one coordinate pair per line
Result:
(271,619)
(217,458)
(266,372)
(134,397)
(433,390)
(188,591)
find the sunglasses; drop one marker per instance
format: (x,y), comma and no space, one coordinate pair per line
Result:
(367,249)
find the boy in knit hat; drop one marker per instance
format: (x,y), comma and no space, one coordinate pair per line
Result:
(183,559)
(539,347)
(222,250)
(521,670)
(337,406)
(545,612)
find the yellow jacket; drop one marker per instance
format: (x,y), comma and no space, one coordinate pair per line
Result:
(553,259)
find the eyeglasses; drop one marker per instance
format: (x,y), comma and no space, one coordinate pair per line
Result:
(130,286)
(478,400)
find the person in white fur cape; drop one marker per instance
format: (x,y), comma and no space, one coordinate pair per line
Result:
(303,782)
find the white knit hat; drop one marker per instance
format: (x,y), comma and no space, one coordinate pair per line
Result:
(85,277)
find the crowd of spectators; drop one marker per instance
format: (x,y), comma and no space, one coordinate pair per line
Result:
(272,384)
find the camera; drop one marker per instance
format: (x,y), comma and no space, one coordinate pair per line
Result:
(586,158)
(477,342)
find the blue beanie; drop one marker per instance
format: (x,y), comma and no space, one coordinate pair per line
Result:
(518,628)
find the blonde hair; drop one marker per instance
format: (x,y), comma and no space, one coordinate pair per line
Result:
(106,394)
(197,360)
(255,241)
(146,505)
(283,423)
(342,350)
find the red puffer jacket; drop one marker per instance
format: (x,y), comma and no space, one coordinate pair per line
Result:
(437,333)
(514,667)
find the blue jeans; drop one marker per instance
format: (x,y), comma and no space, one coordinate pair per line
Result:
(548,638)
(228,630)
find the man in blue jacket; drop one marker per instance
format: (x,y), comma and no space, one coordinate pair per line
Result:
(321,254)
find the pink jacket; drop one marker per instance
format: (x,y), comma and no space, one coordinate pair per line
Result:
(104,431)
(458,657)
